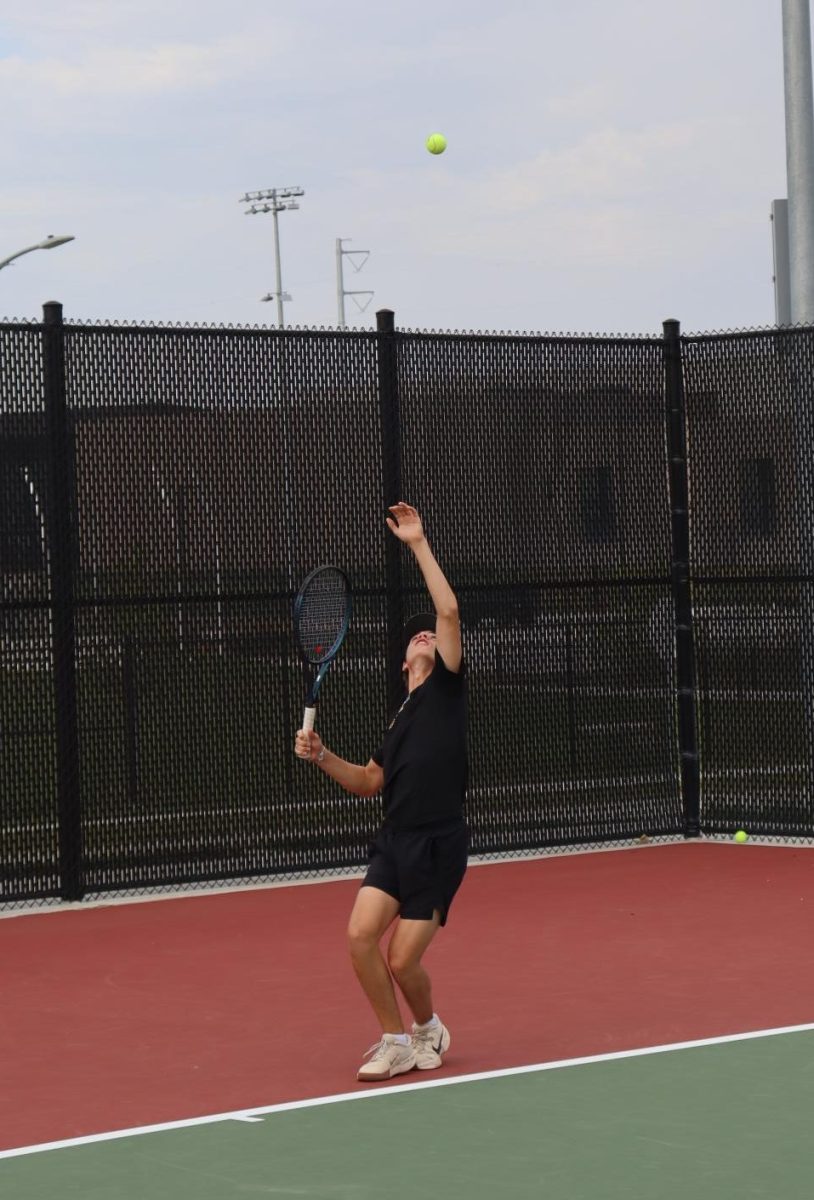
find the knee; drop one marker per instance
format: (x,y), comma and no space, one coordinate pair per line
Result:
(400,962)
(361,939)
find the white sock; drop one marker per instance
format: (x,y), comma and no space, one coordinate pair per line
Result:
(401,1039)
(433,1023)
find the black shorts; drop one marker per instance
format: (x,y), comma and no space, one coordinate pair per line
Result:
(422,869)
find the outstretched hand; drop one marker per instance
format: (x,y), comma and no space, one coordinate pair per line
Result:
(407,524)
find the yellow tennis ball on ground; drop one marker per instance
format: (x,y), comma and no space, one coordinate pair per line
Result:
(741,836)
(436,143)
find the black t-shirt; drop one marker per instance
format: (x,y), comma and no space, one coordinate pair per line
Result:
(423,754)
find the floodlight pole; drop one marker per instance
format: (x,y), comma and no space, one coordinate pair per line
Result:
(274,200)
(278,271)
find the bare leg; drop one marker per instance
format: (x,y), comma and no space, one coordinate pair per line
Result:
(407,945)
(373,913)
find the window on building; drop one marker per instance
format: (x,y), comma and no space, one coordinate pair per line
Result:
(758,497)
(598,504)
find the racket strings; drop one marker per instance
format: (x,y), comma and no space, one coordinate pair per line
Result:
(322,614)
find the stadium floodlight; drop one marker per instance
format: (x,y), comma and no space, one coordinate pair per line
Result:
(274,200)
(46,244)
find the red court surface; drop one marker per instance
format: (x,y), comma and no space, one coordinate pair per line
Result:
(134,1014)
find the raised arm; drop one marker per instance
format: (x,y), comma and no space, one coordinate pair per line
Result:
(406,525)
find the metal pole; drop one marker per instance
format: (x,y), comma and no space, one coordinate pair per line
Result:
(800,176)
(680,573)
(340,286)
(278,275)
(780,253)
(390,430)
(274,200)
(341,292)
(799,156)
(63,609)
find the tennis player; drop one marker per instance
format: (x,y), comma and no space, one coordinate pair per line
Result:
(418,858)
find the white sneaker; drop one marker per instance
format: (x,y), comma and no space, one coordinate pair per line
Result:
(429,1045)
(387,1058)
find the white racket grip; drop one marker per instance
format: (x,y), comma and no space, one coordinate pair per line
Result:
(308,719)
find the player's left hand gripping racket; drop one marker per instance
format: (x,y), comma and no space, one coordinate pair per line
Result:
(321,617)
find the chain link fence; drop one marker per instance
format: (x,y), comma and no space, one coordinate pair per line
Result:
(627,524)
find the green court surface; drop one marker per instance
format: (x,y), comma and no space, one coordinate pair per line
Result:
(708,1122)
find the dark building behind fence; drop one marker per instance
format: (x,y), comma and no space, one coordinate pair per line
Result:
(628,524)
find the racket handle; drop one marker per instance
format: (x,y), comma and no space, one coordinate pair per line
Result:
(308,719)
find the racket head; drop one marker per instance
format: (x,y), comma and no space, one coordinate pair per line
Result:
(322,609)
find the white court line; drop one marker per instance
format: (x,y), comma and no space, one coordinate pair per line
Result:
(255,1114)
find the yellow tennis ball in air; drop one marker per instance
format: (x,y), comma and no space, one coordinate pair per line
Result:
(436,143)
(741,836)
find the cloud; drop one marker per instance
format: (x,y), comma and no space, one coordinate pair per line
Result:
(606,165)
(119,71)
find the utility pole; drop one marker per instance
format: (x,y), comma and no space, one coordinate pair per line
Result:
(274,200)
(341,293)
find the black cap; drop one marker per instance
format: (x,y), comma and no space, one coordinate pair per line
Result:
(416,624)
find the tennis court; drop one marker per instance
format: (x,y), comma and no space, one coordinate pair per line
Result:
(635,1023)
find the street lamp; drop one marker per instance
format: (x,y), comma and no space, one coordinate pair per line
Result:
(274,200)
(46,244)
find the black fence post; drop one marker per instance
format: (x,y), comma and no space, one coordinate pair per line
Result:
(60,544)
(680,578)
(390,423)
(131,720)
(572,705)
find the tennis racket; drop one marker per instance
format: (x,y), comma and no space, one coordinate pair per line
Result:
(321,617)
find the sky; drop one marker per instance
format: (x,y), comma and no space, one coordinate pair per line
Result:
(610,163)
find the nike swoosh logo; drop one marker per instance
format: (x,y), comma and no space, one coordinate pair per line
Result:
(437,1048)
